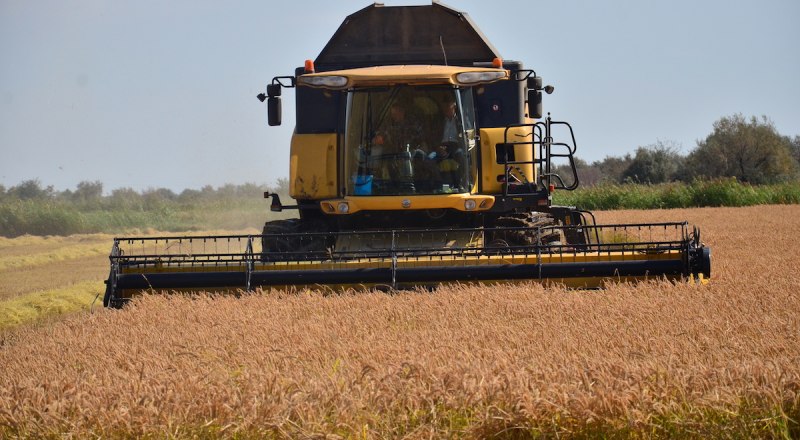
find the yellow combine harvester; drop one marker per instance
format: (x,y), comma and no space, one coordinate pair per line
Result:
(419,157)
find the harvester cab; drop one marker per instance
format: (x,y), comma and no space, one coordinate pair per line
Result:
(419,157)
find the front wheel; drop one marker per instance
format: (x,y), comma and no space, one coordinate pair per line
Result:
(294,239)
(524,230)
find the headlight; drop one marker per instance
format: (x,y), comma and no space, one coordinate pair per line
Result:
(332,81)
(343,207)
(469,204)
(480,77)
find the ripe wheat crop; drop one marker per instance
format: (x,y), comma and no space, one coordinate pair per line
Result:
(514,361)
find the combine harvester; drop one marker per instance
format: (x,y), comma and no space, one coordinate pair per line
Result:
(419,157)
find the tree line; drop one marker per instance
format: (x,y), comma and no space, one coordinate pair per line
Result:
(748,150)
(90,194)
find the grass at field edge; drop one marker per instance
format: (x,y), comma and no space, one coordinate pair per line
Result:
(35,306)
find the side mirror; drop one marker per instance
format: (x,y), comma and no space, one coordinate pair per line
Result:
(274,90)
(274,110)
(274,104)
(535,109)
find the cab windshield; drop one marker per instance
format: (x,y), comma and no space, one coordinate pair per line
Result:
(410,140)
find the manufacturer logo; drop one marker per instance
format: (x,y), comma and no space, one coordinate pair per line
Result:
(405,203)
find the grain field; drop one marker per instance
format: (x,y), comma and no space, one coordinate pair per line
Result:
(649,360)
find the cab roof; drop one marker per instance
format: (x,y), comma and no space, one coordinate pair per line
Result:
(401,35)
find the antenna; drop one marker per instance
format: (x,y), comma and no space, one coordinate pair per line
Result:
(441,43)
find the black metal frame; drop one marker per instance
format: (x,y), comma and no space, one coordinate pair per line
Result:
(195,267)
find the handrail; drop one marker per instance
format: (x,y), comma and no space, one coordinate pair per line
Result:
(545,143)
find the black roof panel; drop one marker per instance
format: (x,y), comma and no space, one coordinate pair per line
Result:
(383,35)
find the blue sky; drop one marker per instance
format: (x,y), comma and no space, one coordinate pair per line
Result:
(148,94)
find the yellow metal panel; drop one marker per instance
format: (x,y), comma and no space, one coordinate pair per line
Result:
(312,167)
(490,137)
(400,203)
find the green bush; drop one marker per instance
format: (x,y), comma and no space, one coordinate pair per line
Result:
(38,217)
(720,192)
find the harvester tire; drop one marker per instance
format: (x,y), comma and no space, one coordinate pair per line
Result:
(528,236)
(282,240)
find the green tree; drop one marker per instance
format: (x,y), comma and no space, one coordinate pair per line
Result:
(564,170)
(190,195)
(88,191)
(750,150)
(126,198)
(656,163)
(611,168)
(31,189)
(796,149)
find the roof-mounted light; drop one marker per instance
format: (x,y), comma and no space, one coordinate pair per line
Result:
(480,77)
(329,81)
